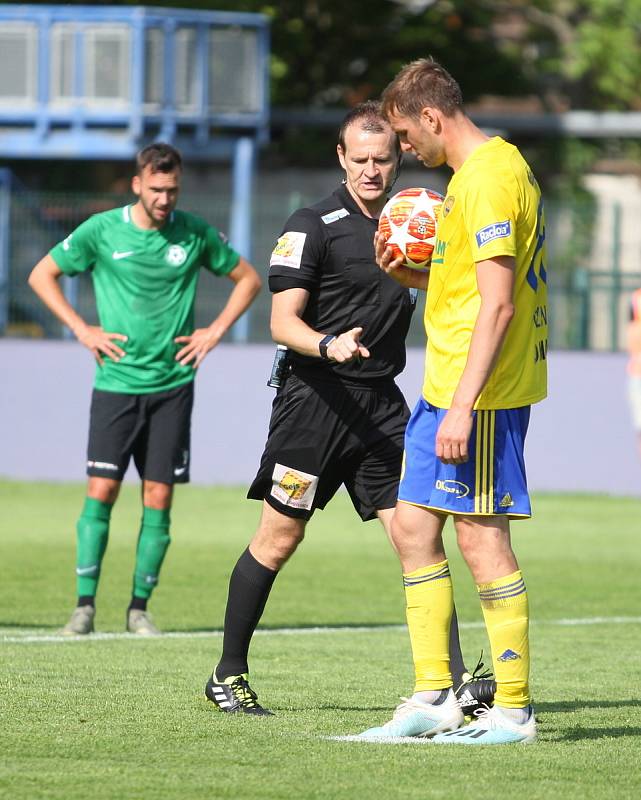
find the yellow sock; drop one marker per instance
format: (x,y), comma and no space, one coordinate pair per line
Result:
(430,602)
(505,608)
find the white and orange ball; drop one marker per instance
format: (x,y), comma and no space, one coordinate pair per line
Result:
(408,225)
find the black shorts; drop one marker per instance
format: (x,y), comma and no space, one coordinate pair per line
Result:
(153,428)
(325,435)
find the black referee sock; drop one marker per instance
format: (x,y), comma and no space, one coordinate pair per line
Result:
(457,665)
(249,587)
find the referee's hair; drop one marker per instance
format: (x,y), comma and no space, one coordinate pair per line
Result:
(369,117)
(160,157)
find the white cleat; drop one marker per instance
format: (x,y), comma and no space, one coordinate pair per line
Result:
(140,622)
(80,622)
(492,727)
(414,717)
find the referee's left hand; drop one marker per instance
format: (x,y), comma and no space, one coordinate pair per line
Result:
(201,341)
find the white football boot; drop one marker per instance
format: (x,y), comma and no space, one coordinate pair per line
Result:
(414,717)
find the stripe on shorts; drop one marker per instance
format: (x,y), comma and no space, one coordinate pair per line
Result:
(484,488)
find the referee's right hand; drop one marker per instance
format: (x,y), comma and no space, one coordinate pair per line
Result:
(347,347)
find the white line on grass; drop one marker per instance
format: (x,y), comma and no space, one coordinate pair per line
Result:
(380,739)
(36,635)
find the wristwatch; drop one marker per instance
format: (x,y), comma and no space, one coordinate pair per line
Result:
(324,344)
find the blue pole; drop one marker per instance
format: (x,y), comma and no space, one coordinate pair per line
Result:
(5,229)
(137,77)
(240,233)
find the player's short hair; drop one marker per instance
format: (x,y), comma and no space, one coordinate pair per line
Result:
(369,117)
(420,84)
(160,157)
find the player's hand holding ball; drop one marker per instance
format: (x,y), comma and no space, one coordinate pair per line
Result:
(406,233)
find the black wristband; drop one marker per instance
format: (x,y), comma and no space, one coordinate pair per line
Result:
(323,345)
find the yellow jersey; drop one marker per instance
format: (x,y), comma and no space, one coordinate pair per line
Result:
(492,208)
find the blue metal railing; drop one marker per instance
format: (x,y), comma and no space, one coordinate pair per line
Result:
(5,234)
(83,128)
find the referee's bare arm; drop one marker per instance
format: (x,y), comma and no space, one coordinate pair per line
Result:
(45,282)
(288,328)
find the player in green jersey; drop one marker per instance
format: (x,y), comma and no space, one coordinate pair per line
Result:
(145,261)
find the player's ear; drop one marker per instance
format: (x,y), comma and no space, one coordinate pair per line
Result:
(430,118)
(341,156)
(135,185)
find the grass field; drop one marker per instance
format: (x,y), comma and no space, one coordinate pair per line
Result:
(119,717)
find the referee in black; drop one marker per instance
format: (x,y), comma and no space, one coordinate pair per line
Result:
(339,418)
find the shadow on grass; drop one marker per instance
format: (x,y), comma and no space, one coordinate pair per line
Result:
(576,705)
(40,626)
(579,734)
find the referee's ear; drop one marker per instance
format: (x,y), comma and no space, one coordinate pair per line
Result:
(397,172)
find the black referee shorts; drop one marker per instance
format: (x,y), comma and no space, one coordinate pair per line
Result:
(153,428)
(324,435)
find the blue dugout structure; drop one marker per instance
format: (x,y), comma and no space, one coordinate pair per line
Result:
(98,82)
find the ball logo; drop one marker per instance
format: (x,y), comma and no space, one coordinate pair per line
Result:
(176,255)
(453,487)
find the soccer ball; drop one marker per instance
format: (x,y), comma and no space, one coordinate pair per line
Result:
(408,225)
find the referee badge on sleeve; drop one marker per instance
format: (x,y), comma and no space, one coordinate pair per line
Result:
(289,250)
(292,487)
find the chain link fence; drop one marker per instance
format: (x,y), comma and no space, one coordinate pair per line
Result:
(588,307)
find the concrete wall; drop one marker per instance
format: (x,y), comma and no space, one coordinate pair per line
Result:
(580,438)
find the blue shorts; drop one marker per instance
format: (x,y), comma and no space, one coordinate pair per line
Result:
(491,482)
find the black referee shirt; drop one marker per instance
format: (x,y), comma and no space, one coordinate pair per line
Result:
(328,249)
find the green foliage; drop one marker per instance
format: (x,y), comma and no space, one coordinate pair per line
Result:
(124,718)
(575,53)
(607,53)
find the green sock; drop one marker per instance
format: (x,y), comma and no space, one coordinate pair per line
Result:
(92,534)
(153,542)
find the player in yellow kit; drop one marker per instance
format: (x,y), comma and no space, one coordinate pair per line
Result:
(486,326)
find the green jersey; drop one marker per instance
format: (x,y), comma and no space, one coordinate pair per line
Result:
(145,284)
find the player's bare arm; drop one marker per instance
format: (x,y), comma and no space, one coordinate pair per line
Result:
(45,282)
(394,267)
(634,337)
(247,284)
(288,328)
(495,280)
